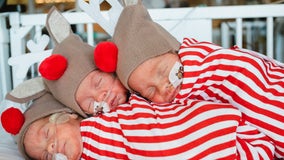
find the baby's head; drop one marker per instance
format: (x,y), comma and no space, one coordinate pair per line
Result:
(49,126)
(139,39)
(80,85)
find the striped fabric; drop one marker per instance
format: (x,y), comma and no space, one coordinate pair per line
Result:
(246,79)
(190,130)
(253,145)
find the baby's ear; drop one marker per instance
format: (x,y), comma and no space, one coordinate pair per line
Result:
(28,90)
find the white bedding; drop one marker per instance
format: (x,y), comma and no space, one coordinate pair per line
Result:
(8,147)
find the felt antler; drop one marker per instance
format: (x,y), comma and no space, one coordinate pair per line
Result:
(39,45)
(93,10)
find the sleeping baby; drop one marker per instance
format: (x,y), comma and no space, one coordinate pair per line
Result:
(72,75)
(139,130)
(172,72)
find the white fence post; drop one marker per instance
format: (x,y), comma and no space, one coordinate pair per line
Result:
(5,79)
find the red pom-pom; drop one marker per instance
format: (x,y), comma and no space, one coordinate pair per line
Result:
(12,120)
(53,67)
(105,56)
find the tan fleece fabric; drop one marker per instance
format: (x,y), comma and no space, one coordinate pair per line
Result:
(27,90)
(80,60)
(138,39)
(40,108)
(57,26)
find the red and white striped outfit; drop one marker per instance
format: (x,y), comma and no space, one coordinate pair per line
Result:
(190,130)
(246,79)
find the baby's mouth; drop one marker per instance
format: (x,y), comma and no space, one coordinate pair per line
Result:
(114,102)
(61,147)
(61,155)
(174,93)
(108,104)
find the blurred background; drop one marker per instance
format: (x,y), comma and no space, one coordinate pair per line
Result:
(256,42)
(42,6)
(253,33)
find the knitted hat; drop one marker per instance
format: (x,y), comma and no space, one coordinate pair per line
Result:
(80,62)
(138,39)
(71,61)
(40,108)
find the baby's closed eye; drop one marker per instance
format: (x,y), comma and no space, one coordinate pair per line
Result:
(150,92)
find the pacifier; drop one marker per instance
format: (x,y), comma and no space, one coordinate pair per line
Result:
(101,107)
(176,74)
(59,156)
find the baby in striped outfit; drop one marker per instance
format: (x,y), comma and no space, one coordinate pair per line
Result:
(172,72)
(138,130)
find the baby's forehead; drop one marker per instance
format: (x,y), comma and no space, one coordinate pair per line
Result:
(37,125)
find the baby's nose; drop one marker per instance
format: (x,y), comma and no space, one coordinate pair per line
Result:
(102,97)
(109,98)
(51,148)
(164,86)
(106,94)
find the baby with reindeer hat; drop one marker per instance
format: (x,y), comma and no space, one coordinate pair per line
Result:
(51,131)
(153,64)
(72,75)
(168,131)
(122,134)
(35,130)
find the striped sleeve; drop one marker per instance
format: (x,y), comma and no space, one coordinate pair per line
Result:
(252,144)
(246,79)
(140,130)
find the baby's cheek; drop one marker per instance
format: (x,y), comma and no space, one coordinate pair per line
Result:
(85,109)
(75,150)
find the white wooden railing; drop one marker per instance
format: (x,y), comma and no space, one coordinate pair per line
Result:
(194,22)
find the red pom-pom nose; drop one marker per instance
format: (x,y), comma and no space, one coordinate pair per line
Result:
(53,67)
(105,56)
(12,120)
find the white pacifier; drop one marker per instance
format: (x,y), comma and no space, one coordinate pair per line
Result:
(101,107)
(176,74)
(59,156)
